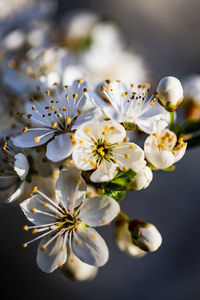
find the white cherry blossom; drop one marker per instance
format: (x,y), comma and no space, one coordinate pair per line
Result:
(131,105)
(13,172)
(163,150)
(191,88)
(142,179)
(54,119)
(68,221)
(104,148)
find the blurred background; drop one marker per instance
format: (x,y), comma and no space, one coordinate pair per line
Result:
(166,34)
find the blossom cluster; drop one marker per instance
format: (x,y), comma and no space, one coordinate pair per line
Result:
(80,128)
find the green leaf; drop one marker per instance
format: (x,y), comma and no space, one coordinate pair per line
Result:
(117,195)
(129,126)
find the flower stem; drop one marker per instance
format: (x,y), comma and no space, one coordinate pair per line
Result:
(171,119)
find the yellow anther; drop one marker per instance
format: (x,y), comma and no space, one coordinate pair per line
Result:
(112,128)
(55,174)
(52,107)
(109,87)
(80,81)
(63,249)
(60,265)
(153,104)
(139,104)
(74,196)
(100,149)
(29,69)
(124,94)
(124,168)
(167,134)
(54,124)
(103,89)
(48,92)
(94,148)
(43,248)
(154,99)
(34,189)
(85,90)
(90,194)
(34,231)
(33,210)
(72,260)
(67,86)
(25,228)
(68,120)
(37,139)
(75,96)
(115,160)
(45,204)
(12,64)
(94,164)
(155,135)
(126,155)
(118,143)
(24,245)
(104,133)
(131,146)
(79,181)
(87,206)
(105,222)
(180,140)
(25,129)
(87,130)
(74,143)
(147,86)
(80,142)
(67,96)
(101,166)
(106,127)
(30,195)
(33,107)
(64,108)
(93,237)
(126,139)
(85,159)
(72,137)
(78,242)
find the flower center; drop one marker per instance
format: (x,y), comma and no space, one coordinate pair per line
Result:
(102,150)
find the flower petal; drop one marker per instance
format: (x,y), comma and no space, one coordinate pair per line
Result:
(17,193)
(21,165)
(98,211)
(70,188)
(179,153)
(105,172)
(161,160)
(90,247)
(60,148)
(27,139)
(33,208)
(150,125)
(55,254)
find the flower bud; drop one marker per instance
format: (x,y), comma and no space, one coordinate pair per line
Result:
(170,92)
(77,270)
(124,241)
(145,235)
(142,179)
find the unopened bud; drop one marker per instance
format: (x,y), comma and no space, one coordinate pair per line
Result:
(170,92)
(142,179)
(145,235)
(124,241)
(77,270)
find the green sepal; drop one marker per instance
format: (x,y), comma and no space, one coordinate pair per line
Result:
(129,126)
(169,169)
(135,234)
(117,195)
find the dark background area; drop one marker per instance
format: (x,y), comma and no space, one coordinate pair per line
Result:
(167,34)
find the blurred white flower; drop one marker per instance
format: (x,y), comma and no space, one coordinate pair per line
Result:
(145,235)
(142,179)
(162,149)
(55,118)
(13,171)
(131,105)
(77,270)
(124,241)
(104,147)
(170,92)
(191,88)
(68,221)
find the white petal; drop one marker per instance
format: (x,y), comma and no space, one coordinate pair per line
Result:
(27,139)
(21,165)
(82,156)
(150,125)
(86,116)
(18,191)
(98,211)
(60,148)
(35,203)
(161,160)
(55,254)
(129,155)
(105,172)
(7,181)
(70,188)
(179,153)
(90,247)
